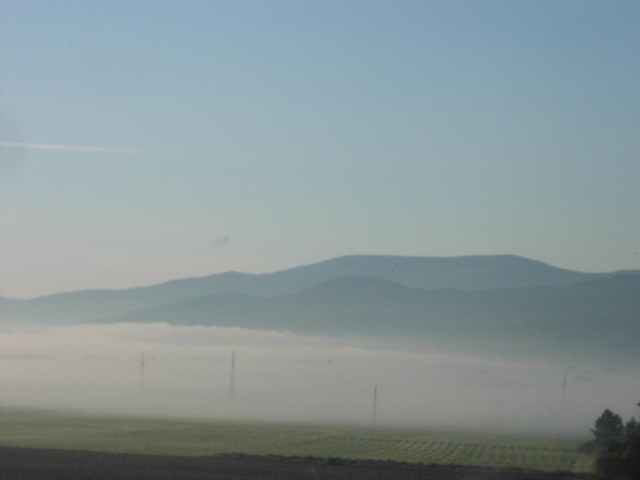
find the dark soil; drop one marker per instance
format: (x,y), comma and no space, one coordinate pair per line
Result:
(45,464)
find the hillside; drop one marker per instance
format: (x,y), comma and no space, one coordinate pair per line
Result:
(600,316)
(469,273)
(497,304)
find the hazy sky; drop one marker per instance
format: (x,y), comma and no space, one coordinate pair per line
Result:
(149,140)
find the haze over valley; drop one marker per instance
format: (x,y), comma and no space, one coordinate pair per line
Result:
(446,340)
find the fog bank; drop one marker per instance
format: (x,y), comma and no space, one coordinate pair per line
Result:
(279,376)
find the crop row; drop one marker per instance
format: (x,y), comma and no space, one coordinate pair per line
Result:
(452,452)
(175,437)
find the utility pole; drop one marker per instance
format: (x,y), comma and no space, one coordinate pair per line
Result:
(232,379)
(375,405)
(142,371)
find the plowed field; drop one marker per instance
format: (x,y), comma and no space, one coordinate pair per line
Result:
(43,464)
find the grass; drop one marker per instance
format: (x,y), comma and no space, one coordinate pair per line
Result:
(72,431)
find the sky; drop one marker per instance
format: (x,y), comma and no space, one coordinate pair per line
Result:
(151,140)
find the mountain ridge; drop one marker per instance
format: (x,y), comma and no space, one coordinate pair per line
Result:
(466,273)
(237,275)
(590,319)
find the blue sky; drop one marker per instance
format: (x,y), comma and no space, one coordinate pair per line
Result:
(149,140)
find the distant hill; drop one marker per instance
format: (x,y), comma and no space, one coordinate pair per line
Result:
(590,320)
(468,273)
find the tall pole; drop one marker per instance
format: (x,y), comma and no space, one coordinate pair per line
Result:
(232,379)
(375,405)
(142,371)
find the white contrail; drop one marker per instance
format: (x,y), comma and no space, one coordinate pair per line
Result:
(80,148)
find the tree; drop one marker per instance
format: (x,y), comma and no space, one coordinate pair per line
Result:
(608,432)
(631,451)
(618,447)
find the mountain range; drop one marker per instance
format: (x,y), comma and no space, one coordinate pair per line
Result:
(501,304)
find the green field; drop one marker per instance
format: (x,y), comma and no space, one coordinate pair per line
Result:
(22,428)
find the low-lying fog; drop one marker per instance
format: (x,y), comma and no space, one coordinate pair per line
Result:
(278,376)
